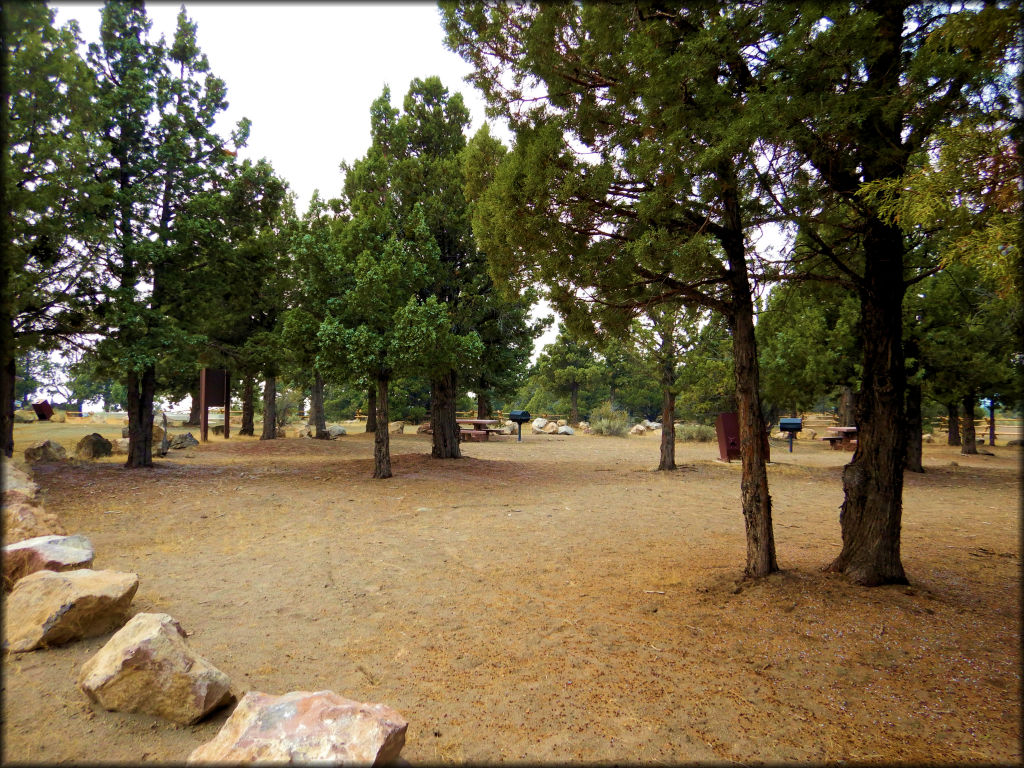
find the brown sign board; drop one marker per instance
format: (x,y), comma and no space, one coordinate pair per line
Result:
(43,409)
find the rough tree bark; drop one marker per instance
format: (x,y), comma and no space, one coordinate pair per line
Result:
(912,463)
(248,411)
(7,397)
(668,428)
(445,429)
(574,411)
(871,513)
(381,438)
(316,407)
(269,409)
(847,407)
(141,390)
(953,424)
(193,411)
(970,444)
(483,406)
(914,429)
(371,409)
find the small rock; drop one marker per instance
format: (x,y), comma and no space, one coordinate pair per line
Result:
(638,429)
(49,553)
(304,727)
(583,426)
(927,439)
(44,452)
(148,666)
(49,608)
(334,431)
(562,422)
(423,428)
(184,440)
(1015,443)
(158,433)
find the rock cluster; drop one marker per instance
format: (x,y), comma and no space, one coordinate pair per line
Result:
(542,426)
(24,516)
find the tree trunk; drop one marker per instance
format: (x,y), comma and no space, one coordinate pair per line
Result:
(140,418)
(953,425)
(193,411)
(302,404)
(381,438)
(668,429)
(7,375)
(912,462)
(574,411)
(914,427)
(442,417)
(248,415)
(991,422)
(756,501)
(847,407)
(269,409)
(371,409)
(970,445)
(872,510)
(316,407)
(483,406)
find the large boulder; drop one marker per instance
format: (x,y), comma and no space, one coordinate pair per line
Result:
(184,440)
(93,447)
(396,427)
(304,727)
(45,452)
(565,430)
(148,666)
(49,608)
(45,553)
(550,428)
(59,416)
(638,429)
(538,425)
(335,431)
(25,416)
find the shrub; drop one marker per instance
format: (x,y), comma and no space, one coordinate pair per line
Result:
(698,433)
(606,420)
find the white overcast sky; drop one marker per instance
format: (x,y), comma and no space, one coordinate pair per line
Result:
(305,74)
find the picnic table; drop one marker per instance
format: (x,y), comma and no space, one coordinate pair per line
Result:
(841,438)
(479,429)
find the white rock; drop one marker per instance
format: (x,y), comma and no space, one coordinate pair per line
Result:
(335,431)
(45,553)
(49,608)
(148,666)
(565,430)
(304,727)
(538,425)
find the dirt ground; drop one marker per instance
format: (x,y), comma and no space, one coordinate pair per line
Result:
(549,600)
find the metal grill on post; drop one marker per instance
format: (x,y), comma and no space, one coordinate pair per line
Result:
(791,427)
(214,390)
(520,418)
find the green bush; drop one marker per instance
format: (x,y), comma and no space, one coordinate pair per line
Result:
(606,420)
(698,433)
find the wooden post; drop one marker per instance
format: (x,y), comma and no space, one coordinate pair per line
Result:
(991,422)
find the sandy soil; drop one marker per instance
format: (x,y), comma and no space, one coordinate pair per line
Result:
(549,600)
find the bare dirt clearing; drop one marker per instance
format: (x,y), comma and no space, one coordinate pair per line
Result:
(549,600)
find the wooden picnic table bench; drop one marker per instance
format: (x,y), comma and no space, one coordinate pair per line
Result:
(841,438)
(479,429)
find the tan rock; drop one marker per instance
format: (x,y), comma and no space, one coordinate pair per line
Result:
(24,517)
(45,451)
(59,417)
(48,608)
(423,428)
(17,480)
(119,447)
(25,416)
(562,423)
(45,553)
(396,427)
(304,727)
(148,666)
(638,429)
(550,428)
